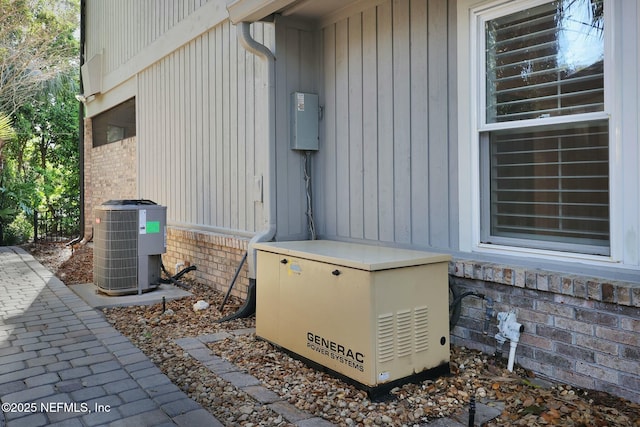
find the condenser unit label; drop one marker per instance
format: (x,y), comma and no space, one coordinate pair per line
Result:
(142,221)
(153,227)
(335,351)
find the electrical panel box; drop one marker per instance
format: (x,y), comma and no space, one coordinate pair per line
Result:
(304,121)
(375,316)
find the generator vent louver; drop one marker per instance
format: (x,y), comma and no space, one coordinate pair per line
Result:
(129,239)
(402,333)
(385,337)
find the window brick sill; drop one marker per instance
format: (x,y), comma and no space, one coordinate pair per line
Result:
(588,288)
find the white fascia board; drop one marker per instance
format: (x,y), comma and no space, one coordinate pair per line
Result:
(116,95)
(254,10)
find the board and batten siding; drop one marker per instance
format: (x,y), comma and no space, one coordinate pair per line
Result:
(201,132)
(383,169)
(120,29)
(296,71)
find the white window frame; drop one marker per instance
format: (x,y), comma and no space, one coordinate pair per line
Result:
(623,152)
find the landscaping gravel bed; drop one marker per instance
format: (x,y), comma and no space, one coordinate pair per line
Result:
(525,401)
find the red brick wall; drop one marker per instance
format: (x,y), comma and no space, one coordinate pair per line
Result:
(216,256)
(110,173)
(578,330)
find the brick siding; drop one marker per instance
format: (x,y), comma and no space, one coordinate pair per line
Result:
(580,330)
(216,256)
(110,173)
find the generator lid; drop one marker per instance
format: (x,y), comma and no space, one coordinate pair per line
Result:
(354,255)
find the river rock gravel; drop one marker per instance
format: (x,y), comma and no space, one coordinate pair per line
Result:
(525,401)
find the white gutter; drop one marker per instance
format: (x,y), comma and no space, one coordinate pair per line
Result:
(254,10)
(269,200)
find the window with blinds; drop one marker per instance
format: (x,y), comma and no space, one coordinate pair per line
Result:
(545,61)
(546,155)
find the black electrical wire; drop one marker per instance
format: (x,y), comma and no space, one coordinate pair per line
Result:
(175,280)
(233,281)
(456,305)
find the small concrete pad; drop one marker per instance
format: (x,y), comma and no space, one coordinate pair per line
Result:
(485,412)
(90,294)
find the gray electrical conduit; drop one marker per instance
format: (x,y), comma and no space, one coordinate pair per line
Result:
(269,198)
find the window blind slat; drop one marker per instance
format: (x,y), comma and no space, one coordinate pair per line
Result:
(532,66)
(551,181)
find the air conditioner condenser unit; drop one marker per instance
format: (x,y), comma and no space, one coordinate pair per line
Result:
(129,239)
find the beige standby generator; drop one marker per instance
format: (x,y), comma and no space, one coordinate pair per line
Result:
(376,316)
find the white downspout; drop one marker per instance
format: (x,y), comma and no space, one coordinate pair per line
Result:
(269,197)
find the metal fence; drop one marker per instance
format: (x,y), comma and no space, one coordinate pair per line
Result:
(55,226)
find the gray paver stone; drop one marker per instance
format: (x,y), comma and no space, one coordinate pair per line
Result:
(104,378)
(11,367)
(100,418)
(153,381)
(92,359)
(110,365)
(67,374)
(240,379)
(137,407)
(69,386)
(209,338)
(33,420)
(147,419)
(133,395)
(179,407)
(201,354)
(29,394)
(261,394)
(314,422)
(189,343)
(87,393)
(199,417)
(153,370)
(220,366)
(288,411)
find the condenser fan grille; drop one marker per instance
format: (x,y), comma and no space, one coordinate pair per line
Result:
(116,250)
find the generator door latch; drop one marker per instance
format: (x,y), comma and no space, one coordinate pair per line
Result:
(336,272)
(284,261)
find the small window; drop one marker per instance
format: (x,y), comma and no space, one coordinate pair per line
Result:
(544,133)
(115,124)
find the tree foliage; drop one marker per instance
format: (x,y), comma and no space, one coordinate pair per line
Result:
(38,81)
(37,47)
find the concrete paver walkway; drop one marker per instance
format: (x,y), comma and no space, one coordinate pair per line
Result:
(63,364)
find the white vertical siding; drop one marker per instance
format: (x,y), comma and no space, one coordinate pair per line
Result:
(196,131)
(382,172)
(122,28)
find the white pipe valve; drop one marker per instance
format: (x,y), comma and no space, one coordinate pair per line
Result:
(509,329)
